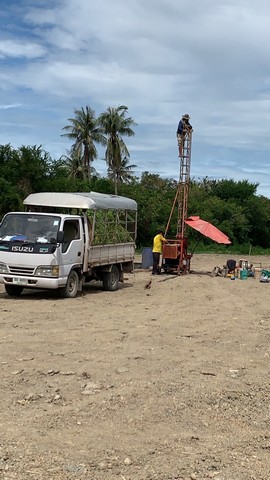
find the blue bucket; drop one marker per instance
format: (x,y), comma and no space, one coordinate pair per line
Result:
(243,274)
(147,257)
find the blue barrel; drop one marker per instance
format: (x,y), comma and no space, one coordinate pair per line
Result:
(147,257)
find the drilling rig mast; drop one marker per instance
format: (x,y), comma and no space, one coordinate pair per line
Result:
(175,255)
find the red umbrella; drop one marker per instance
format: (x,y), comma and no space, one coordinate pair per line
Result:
(208,230)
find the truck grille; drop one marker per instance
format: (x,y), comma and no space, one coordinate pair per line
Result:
(21,270)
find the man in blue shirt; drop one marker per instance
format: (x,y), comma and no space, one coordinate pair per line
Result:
(183,128)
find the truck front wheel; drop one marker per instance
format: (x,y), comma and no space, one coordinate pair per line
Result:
(71,288)
(111,279)
(13,290)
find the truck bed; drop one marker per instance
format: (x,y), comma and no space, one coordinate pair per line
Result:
(111,254)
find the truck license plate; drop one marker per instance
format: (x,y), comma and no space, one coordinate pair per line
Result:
(20,281)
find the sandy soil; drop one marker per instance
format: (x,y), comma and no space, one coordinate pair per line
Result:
(165,383)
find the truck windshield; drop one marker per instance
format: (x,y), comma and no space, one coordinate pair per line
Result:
(29,227)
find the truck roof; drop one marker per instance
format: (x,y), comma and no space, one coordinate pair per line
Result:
(84,200)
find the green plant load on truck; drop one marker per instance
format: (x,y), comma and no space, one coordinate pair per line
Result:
(64,240)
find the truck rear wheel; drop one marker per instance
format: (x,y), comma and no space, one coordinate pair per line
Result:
(71,288)
(13,290)
(111,279)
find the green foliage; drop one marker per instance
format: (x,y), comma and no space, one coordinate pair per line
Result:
(9,197)
(228,216)
(110,228)
(25,169)
(121,173)
(115,125)
(210,247)
(231,206)
(229,189)
(154,196)
(85,130)
(257,212)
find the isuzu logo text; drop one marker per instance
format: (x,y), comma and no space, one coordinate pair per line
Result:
(17,248)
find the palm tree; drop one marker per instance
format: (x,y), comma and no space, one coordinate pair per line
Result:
(115,125)
(122,173)
(85,130)
(73,162)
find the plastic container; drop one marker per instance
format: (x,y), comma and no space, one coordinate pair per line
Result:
(266,273)
(147,257)
(243,274)
(257,272)
(244,264)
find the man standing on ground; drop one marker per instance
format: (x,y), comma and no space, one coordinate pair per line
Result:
(157,251)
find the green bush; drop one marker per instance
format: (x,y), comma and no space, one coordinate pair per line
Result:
(109,228)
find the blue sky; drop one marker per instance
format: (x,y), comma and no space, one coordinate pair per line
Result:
(208,58)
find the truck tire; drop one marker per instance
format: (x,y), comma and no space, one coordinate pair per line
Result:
(13,290)
(70,290)
(111,279)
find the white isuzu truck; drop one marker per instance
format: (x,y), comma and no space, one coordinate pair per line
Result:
(64,240)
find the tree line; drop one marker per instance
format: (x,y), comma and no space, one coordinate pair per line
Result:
(232,206)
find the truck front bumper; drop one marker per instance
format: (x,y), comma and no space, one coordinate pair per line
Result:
(33,282)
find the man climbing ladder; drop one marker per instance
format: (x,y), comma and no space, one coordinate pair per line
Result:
(183,128)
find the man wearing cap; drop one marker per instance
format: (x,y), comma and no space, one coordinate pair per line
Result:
(158,242)
(183,128)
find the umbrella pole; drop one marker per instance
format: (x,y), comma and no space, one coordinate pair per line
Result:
(196,244)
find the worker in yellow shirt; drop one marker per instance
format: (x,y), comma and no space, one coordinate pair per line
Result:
(157,251)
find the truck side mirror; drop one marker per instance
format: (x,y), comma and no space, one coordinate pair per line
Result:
(60,236)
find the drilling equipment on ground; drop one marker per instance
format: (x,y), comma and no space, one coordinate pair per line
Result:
(176,258)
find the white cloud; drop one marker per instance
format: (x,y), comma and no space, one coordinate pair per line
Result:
(15,49)
(161,59)
(14,105)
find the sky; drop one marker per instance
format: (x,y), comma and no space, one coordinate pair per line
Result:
(160,58)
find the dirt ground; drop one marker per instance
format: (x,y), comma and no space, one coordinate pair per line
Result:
(165,383)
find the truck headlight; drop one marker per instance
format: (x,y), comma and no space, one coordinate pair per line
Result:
(47,271)
(3,268)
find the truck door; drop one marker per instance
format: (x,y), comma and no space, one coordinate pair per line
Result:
(72,246)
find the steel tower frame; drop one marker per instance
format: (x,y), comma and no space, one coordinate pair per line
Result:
(181,201)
